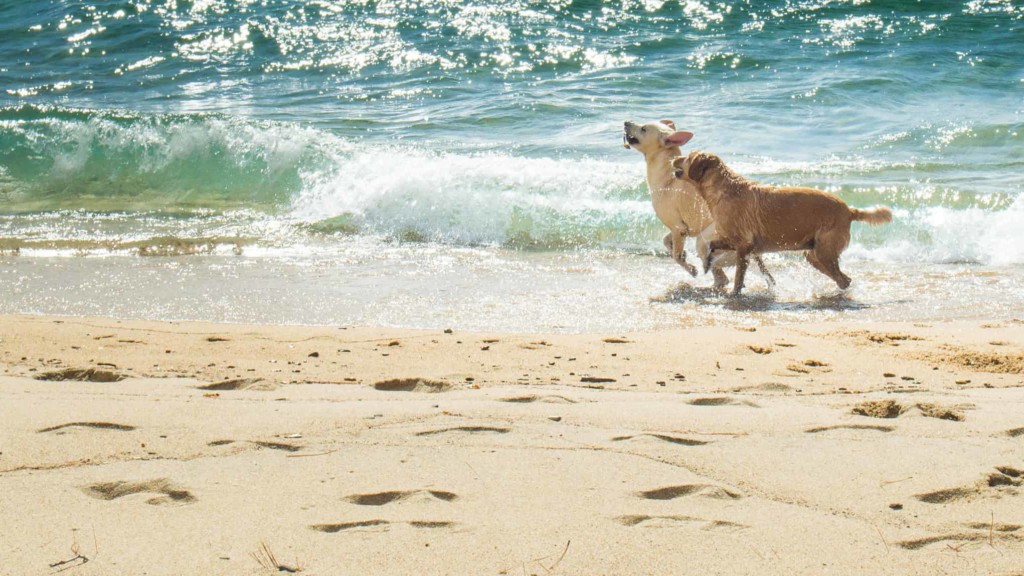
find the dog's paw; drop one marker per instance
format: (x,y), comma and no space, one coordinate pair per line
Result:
(721,281)
(691,268)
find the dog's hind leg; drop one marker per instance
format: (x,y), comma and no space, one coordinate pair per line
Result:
(812,259)
(841,280)
(827,248)
(827,262)
(764,272)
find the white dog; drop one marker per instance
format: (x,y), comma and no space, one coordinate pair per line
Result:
(676,202)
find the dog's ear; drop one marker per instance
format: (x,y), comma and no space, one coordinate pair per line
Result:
(679,167)
(678,138)
(669,123)
(700,163)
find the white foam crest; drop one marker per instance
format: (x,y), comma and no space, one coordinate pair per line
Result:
(469,199)
(945,235)
(155,144)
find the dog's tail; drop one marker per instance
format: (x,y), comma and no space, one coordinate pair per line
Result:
(875,216)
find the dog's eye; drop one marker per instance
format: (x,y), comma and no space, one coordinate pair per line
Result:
(643,130)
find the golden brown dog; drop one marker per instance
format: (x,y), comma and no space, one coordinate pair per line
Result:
(753,218)
(676,203)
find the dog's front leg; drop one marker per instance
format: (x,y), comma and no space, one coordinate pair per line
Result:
(714,246)
(705,255)
(667,241)
(764,272)
(742,254)
(679,252)
(721,280)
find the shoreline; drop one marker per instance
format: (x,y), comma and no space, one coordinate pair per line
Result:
(892,446)
(485,289)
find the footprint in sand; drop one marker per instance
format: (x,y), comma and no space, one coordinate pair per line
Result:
(985,532)
(332,528)
(767,387)
(1004,528)
(721,401)
(891,338)
(256,384)
(703,490)
(894,409)
(276,446)
(678,521)
(529,399)
(807,366)
(393,496)
(664,438)
(940,412)
(466,429)
(81,375)
(991,362)
(412,385)
(996,484)
(168,492)
(1015,432)
(431,523)
(379,524)
(93,425)
(818,429)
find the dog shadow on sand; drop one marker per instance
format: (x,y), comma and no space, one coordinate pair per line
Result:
(758,300)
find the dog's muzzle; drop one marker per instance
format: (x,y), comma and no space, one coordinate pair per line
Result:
(628,139)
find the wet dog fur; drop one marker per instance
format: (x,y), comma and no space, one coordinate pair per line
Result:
(676,202)
(753,218)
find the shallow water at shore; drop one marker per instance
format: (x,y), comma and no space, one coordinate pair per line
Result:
(422,285)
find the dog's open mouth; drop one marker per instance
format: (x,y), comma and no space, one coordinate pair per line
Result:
(628,140)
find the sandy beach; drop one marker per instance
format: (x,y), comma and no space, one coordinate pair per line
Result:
(137,447)
(379,288)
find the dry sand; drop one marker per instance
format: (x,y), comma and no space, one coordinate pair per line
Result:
(804,449)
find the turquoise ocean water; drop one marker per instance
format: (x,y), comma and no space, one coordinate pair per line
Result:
(436,163)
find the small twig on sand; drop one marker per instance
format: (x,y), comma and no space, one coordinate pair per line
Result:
(557,562)
(887,551)
(67,564)
(71,562)
(991,528)
(265,558)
